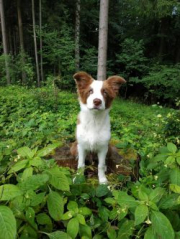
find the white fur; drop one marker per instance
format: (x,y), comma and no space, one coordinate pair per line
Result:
(96,87)
(93,131)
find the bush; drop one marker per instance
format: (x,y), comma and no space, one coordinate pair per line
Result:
(163,82)
(132,58)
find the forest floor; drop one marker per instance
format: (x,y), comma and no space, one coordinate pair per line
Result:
(36,123)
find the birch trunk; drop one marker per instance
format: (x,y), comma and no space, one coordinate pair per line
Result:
(4,39)
(35,44)
(77,34)
(21,40)
(40,29)
(103,31)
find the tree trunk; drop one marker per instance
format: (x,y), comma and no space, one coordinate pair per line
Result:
(35,44)
(21,40)
(103,31)
(40,29)
(77,33)
(5,47)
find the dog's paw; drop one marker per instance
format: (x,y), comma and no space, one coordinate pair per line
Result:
(103,180)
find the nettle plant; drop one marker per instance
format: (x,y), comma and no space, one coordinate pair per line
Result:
(40,200)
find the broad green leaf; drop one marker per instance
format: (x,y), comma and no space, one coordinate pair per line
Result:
(55,205)
(58,179)
(141,214)
(113,214)
(125,200)
(58,235)
(18,166)
(171,147)
(43,219)
(73,206)
(37,199)
(9,191)
(149,234)
(18,205)
(85,231)
(158,158)
(156,194)
(174,188)
(102,190)
(37,162)
(126,229)
(68,215)
(25,152)
(34,182)
(111,233)
(161,225)
(175,176)
(142,195)
(73,227)
(28,172)
(30,214)
(103,212)
(170,160)
(110,201)
(7,223)
(85,211)
(47,150)
(177,235)
(122,212)
(178,160)
(81,219)
(169,201)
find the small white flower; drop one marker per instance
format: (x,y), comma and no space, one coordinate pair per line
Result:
(159,115)
(148,221)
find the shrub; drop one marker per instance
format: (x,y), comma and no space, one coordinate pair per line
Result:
(163,82)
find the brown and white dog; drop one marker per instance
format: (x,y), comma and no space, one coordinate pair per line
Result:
(93,129)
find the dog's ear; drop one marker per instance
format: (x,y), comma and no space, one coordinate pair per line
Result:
(82,79)
(115,82)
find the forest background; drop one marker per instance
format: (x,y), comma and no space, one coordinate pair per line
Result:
(44,44)
(143,44)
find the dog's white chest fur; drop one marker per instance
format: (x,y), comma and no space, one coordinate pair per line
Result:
(93,131)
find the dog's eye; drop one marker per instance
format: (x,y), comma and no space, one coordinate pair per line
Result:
(105,93)
(91,91)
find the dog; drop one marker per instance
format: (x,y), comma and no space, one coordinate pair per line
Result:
(93,125)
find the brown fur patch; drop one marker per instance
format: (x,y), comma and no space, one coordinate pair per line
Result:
(108,94)
(115,82)
(73,149)
(83,81)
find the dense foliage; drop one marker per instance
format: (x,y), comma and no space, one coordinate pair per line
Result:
(40,200)
(143,44)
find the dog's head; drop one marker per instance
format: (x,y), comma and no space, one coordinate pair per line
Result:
(97,95)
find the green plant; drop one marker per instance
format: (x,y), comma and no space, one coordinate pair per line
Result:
(42,200)
(132,58)
(163,82)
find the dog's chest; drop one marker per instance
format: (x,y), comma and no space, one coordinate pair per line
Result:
(93,131)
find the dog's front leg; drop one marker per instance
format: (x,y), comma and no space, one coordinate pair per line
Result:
(102,165)
(81,156)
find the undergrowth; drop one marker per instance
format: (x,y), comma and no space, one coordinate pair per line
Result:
(41,200)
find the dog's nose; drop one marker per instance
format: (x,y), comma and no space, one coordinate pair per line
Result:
(97,102)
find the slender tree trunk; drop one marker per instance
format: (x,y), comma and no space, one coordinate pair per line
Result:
(40,29)
(77,34)
(5,47)
(21,40)
(35,44)
(103,31)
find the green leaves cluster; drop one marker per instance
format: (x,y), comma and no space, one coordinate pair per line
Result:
(38,199)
